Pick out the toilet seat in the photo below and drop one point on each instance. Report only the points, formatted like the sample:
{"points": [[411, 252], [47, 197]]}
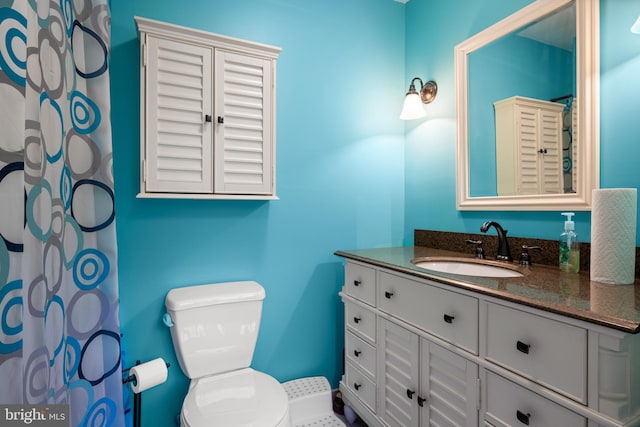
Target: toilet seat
{"points": [[246, 398]]}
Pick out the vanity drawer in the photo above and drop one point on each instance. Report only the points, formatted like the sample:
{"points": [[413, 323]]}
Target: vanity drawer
{"points": [[508, 404], [549, 352], [446, 314], [361, 320], [360, 385], [361, 354], [360, 282]]}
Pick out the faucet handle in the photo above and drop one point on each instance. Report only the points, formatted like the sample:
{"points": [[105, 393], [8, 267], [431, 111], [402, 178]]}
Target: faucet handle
{"points": [[479, 251], [525, 258]]}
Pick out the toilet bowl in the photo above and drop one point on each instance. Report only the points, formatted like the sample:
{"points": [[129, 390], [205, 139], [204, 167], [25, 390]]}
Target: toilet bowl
{"points": [[242, 398]]}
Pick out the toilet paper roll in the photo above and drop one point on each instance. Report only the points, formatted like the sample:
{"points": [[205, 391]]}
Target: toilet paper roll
{"points": [[148, 375], [613, 235]]}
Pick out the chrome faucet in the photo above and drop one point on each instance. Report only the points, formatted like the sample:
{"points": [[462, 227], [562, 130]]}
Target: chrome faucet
{"points": [[504, 253]]}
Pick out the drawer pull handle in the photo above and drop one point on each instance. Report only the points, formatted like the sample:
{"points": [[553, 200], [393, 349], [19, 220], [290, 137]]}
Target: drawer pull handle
{"points": [[522, 417], [410, 393], [388, 295], [421, 401], [357, 319], [356, 282], [522, 347], [357, 387], [357, 353], [448, 318]]}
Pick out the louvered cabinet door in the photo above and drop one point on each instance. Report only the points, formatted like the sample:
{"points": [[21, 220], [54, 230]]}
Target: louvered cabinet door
{"points": [[244, 109], [575, 144], [550, 165], [528, 136], [449, 387], [398, 370], [179, 144]]}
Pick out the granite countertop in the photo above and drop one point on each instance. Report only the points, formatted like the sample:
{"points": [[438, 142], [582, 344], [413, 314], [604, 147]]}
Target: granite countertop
{"points": [[541, 286]]}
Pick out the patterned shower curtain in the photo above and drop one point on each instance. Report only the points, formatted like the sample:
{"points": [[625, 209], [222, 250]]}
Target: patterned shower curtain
{"points": [[60, 334]]}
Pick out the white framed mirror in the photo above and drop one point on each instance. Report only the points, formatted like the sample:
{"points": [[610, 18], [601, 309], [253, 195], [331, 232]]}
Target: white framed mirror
{"points": [[527, 110]]}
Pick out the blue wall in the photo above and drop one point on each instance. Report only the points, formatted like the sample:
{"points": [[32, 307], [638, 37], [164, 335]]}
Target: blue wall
{"points": [[430, 145], [340, 158]]}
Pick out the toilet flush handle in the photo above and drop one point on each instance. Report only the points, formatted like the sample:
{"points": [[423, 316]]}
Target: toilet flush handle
{"points": [[166, 318]]}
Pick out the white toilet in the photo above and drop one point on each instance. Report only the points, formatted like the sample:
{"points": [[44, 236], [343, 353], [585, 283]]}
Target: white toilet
{"points": [[214, 330]]}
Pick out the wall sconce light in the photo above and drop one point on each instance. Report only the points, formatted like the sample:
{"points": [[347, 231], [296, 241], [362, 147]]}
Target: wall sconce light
{"points": [[635, 28], [413, 108]]}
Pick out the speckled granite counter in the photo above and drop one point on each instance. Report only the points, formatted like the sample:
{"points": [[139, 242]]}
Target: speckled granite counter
{"points": [[541, 286]]}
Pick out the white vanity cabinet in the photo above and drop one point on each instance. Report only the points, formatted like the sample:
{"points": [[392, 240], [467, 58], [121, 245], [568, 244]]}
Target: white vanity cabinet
{"points": [[207, 114], [528, 146], [421, 383], [521, 342], [421, 353], [443, 313], [417, 380], [361, 352]]}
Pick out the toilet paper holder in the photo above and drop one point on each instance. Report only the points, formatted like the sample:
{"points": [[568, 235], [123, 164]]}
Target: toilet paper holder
{"points": [[137, 397], [132, 378]]}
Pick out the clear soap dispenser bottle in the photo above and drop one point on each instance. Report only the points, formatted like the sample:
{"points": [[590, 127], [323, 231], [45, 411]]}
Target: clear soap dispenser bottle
{"points": [[569, 246]]}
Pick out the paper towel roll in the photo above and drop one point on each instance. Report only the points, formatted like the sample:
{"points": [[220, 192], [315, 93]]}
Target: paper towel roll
{"points": [[612, 300], [613, 235], [148, 375]]}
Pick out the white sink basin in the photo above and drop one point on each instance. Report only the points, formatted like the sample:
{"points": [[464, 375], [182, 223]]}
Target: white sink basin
{"points": [[466, 267]]}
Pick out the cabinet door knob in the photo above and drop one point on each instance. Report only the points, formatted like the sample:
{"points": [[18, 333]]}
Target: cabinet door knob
{"points": [[522, 417], [207, 118], [410, 393], [356, 282], [448, 318], [357, 353], [357, 319], [522, 347], [220, 119], [357, 386], [542, 151], [421, 401], [388, 295]]}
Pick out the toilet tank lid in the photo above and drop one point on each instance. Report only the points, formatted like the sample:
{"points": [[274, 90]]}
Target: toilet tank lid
{"points": [[213, 294]]}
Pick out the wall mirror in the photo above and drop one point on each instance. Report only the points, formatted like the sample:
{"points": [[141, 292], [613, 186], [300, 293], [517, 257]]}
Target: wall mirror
{"points": [[527, 110]]}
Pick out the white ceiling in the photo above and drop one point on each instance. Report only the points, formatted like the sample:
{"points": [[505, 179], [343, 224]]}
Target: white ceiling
{"points": [[557, 29]]}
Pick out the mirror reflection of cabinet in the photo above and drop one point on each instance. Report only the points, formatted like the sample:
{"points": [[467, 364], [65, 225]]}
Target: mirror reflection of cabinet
{"points": [[528, 146]]}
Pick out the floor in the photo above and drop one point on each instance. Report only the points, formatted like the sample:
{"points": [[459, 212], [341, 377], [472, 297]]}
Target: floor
{"points": [[338, 409], [358, 422]]}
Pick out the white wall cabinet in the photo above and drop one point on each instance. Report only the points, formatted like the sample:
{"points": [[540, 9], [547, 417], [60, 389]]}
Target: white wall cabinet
{"points": [[421, 353], [528, 146], [207, 114]]}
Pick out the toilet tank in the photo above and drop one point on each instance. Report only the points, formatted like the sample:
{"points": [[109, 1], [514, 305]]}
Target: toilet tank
{"points": [[215, 326]]}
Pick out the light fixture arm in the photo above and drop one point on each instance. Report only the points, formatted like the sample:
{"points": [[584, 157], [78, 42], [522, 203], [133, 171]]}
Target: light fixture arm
{"points": [[412, 86], [427, 92]]}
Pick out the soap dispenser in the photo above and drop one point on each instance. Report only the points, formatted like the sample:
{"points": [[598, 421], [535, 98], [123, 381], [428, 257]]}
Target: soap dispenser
{"points": [[569, 246]]}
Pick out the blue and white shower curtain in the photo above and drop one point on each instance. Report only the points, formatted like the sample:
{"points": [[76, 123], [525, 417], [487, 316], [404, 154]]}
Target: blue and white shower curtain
{"points": [[59, 326]]}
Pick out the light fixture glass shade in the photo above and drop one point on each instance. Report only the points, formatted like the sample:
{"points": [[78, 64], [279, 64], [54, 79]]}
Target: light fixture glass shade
{"points": [[635, 28], [413, 107]]}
